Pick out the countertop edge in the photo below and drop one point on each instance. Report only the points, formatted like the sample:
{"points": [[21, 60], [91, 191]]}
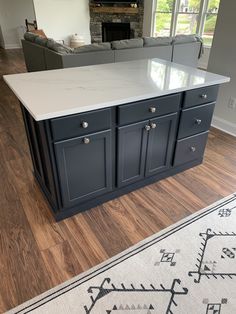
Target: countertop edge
{"points": [[47, 116]]}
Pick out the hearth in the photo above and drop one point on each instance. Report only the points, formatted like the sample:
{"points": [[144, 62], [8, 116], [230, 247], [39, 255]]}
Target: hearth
{"points": [[115, 31]]}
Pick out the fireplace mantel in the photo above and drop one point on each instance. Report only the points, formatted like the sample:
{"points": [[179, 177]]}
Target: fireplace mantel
{"points": [[114, 10]]}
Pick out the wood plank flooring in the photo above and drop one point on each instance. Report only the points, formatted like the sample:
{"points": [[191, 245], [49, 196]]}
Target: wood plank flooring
{"points": [[36, 253]]}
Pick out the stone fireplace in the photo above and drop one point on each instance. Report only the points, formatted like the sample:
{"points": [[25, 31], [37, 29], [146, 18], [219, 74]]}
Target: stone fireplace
{"points": [[114, 23]]}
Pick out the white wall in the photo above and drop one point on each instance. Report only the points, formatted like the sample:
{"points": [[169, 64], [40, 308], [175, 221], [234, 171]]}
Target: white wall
{"points": [[12, 18], [61, 18], [223, 61]]}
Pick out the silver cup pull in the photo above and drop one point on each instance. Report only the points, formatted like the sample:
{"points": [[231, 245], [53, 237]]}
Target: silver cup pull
{"points": [[193, 149], [84, 124], [204, 96], [198, 121], [147, 127], [86, 140], [153, 125], [152, 109]]}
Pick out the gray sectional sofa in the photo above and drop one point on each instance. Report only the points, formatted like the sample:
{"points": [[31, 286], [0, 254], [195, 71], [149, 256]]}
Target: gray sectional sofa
{"points": [[46, 54]]}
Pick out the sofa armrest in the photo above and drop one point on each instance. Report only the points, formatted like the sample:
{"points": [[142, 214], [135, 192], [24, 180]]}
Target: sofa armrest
{"points": [[34, 56], [53, 60], [186, 53]]}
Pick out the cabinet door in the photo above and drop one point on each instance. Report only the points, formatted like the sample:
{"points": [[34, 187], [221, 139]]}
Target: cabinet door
{"points": [[160, 143], [84, 166], [132, 144]]}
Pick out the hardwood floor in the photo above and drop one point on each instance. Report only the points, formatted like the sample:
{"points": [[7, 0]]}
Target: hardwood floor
{"points": [[36, 253]]}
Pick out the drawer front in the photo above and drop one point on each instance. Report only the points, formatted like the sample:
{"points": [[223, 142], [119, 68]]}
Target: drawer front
{"points": [[200, 96], [190, 148], [148, 109], [80, 124], [195, 120]]}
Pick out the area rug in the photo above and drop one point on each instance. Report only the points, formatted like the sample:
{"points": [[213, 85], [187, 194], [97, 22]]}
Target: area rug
{"points": [[188, 268]]}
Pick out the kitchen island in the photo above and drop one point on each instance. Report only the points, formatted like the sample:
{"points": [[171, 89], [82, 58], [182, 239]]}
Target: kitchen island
{"points": [[101, 131]]}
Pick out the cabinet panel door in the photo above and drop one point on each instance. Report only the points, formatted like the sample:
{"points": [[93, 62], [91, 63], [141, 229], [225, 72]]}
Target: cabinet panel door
{"points": [[160, 144], [84, 169], [132, 144]]}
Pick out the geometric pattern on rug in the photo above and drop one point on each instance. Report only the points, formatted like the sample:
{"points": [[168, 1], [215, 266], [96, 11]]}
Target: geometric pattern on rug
{"points": [[188, 268], [214, 308], [144, 292], [224, 245]]}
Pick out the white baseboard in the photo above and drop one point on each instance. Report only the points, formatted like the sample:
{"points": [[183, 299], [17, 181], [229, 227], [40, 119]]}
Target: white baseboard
{"points": [[12, 46], [223, 125]]}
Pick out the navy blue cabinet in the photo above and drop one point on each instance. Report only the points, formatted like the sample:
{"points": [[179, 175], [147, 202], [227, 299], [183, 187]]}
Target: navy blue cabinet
{"points": [[84, 167], [145, 148], [132, 146], [86, 159], [161, 142]]}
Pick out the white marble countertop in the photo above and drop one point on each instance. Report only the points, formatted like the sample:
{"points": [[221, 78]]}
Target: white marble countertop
{"points": [[50, 94]]}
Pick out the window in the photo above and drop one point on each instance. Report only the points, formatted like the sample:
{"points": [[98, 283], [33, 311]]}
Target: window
{"points": [[173, 17], [163, 17], [210, 17], [187, 17]]}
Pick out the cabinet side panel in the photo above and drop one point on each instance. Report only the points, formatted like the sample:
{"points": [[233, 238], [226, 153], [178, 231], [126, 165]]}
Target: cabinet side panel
{"points": [[33, 144], [49, 178], [40, 154]]}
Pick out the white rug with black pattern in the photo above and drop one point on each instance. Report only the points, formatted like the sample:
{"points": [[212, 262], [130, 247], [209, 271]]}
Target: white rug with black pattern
{"points": [[188, 268]]}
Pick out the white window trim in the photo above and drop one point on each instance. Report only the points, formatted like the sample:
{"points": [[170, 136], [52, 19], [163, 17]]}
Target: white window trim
{"points": [[176, 3]]}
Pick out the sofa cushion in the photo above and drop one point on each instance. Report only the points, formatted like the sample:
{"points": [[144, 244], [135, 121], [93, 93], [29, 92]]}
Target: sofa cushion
{"points": [[41, 41], [127, 43], [93, 47], [180, 39], [30, 36], [157, 41], [60, 48]]}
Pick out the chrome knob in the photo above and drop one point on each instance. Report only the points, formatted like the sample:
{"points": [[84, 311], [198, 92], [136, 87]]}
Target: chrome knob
{"points": [[153, 125], [86, 140], [193, 149], [152, 109], [147, 127], [84, 124], [198, 121], [204, 96]]}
